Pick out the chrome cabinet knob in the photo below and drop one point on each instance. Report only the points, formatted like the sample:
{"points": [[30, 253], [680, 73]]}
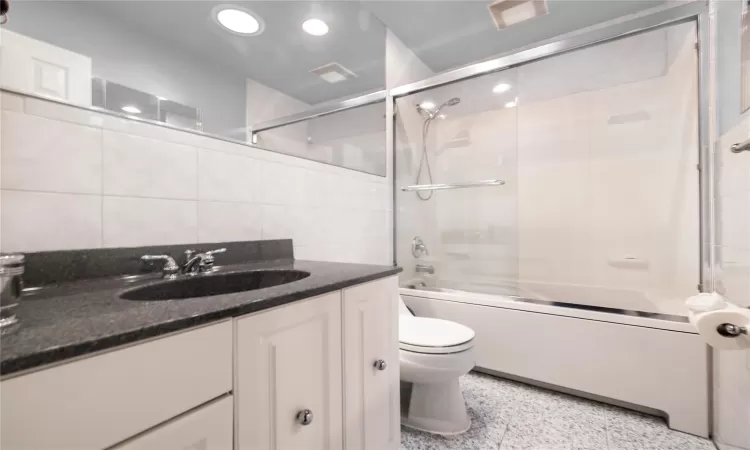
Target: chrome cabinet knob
{"points": [[380, 364], [305, 417]]}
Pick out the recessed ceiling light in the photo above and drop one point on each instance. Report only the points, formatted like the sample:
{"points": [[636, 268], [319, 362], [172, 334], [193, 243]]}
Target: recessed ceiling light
{"points": [[512, 104], [316, 27], [131, 109], [500, 88], [427, 105], [238, 20]]}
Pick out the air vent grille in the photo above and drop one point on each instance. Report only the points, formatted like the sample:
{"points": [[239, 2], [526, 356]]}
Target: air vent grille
{"points": [[334, 73]]}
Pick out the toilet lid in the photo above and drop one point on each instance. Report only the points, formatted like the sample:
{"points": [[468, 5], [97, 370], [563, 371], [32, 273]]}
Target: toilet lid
{"points": [[428, 335]]}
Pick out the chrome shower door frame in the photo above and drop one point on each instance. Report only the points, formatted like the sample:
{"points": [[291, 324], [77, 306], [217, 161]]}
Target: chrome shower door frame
{"points": [[696, 12]]}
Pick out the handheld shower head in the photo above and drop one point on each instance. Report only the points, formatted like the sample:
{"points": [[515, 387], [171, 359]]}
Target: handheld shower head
{"points": [[424, 161], [451, 102], [429, 110]]}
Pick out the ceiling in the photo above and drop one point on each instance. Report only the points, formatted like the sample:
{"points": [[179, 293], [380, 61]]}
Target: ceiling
{"points": [[282, 56], [446, 34]]}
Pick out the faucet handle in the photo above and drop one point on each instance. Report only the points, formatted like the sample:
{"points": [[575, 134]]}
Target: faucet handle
{"points": [[418, 248], [208, 261]]}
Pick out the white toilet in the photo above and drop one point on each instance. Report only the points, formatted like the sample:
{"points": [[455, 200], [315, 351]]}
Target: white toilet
{"points": [[434, 353]]}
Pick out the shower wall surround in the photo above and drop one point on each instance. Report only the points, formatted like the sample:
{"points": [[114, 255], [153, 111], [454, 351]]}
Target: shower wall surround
{"points": [[73, 178], [600, 169]]}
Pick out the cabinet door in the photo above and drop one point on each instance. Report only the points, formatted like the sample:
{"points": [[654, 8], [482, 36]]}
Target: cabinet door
{"points": [[289, 360], [371, 393], [206, 428]]}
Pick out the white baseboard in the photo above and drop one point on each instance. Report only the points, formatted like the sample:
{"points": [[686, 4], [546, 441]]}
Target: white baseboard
{"points": [[722, 446]]}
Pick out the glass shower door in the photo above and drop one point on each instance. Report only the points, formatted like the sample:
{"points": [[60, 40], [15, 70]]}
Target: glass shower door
{"points": [[462, 134], [598, 149]]}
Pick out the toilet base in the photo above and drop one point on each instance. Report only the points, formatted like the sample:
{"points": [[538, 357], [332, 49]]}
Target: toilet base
{"points": [[437, 408]]}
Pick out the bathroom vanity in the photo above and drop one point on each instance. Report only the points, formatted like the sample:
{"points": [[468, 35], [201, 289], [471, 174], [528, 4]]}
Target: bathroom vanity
{"points": [[308, 364]]}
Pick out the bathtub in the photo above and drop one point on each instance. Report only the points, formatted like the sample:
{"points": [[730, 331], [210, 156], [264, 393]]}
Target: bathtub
{"points": [[637, 358]]}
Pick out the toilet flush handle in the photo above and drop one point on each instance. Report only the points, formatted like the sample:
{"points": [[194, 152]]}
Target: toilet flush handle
{"points": [[380, 364]]}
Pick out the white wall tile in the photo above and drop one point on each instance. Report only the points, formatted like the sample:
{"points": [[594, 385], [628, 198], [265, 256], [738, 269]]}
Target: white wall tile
{"points": [[734, 220], [47, 155], [377, 197], [143, 167], [332, 213], [130, 222], [81, 116], [307, 253], [11, 102], [64, 113], [733, 169], [283, 185], [734, 274], [223, 222], [315, 187], [40, 221], [227, 177], [290, 222]]}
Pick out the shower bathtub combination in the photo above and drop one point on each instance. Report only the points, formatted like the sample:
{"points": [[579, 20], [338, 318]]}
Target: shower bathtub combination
{"points": [[564, 221]]}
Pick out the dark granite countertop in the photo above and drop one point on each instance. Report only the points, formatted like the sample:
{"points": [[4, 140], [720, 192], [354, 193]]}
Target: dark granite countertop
{"points": [[68, 320]]}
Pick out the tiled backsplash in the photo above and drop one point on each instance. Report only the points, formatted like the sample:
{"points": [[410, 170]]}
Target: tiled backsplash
{"points": [[73, 178], [54, 267]]}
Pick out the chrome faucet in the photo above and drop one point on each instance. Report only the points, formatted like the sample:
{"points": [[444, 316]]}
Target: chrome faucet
{"points": [[200, 262], [194, 263], [425, 268]]}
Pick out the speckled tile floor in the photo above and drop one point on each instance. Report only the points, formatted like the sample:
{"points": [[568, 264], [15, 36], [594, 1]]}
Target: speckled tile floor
{"points": [[506, 415]]}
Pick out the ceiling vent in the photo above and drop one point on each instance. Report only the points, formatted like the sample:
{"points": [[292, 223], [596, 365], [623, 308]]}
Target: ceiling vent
{"points": [[510, 12], [334, 73]]}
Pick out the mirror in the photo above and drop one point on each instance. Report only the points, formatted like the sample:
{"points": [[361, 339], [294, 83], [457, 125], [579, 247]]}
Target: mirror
{"points": [[353, 138], [215, 67]]}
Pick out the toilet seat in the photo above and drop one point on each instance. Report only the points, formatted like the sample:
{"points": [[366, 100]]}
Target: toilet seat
{"points": [[433, 336]]}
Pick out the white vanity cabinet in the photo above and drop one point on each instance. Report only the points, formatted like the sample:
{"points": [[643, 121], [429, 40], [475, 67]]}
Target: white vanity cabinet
{"points": [[316, 374], [293, 359], [289, 377], [208, 427], [371, 369], [99, 401]]}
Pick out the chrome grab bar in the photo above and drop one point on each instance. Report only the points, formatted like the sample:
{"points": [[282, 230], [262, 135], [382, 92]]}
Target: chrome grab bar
{"points": [[438, 187], [741, 147]]}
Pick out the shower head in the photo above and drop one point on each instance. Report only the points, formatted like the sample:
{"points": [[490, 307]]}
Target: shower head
{"points": [[432, 114], [451, 102]]}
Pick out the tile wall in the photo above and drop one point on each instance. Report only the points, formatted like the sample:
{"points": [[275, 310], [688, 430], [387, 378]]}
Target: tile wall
{"points": [[73, 178]]}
